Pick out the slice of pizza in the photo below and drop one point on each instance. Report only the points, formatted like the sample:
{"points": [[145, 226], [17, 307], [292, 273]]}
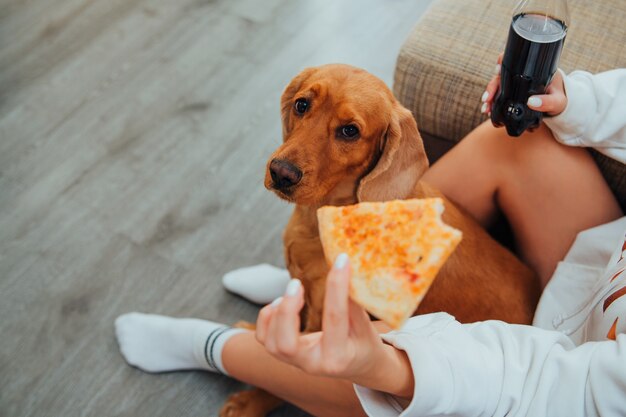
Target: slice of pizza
{"points": [[396, 249]]}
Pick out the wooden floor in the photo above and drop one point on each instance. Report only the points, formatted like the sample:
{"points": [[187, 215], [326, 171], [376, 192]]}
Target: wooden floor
{"points": [[133, 139]]}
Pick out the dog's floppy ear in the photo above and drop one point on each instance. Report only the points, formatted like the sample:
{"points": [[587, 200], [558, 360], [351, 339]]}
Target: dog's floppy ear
{"points": [[402, 163], [286, 100]]}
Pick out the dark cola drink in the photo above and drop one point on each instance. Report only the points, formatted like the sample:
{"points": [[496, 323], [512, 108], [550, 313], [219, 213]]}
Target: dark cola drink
{"points": [[530, 60]]}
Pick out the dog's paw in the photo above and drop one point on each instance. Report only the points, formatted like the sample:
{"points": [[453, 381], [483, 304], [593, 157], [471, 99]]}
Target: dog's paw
{"points": [[251, 403], [242, 324], [240, 404]]}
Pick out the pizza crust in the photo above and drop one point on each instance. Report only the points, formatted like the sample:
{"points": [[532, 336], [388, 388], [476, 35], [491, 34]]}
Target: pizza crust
{"points": [[396, 249]]}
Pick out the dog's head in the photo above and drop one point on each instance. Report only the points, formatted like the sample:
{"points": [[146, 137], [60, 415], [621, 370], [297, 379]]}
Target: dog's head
{"points": [[345, 139]]}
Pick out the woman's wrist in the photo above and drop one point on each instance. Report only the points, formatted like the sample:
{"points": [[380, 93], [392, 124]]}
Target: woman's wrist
{"points": [[391, 373]]}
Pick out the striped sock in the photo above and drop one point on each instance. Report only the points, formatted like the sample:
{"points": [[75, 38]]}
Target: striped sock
{"points": [[213, 346], [156, 343]]}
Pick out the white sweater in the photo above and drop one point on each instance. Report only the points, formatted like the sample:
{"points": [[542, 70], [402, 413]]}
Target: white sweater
{"points": [[572, 362], [595, 115]]}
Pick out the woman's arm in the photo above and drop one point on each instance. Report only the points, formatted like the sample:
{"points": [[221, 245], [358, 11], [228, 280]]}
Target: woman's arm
{"points": [[595, 114], [497, 369]]}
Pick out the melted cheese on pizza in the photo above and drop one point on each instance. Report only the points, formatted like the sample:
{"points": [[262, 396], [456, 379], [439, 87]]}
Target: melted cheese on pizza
{"points": [[396, 249]]}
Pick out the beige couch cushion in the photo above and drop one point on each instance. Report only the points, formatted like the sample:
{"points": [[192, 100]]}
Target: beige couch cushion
{"points": [[450, 55]]}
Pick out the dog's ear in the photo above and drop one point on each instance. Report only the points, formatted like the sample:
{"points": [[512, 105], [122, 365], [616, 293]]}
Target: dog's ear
{"points": [[402, 163], [286, 100]]}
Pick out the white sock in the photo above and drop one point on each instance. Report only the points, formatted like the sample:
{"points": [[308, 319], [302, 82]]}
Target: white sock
{"points": [[156, 343], [260, 284]]}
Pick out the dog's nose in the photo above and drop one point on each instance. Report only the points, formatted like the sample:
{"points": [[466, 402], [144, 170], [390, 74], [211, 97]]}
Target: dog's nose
{"points": [[284, 174]]}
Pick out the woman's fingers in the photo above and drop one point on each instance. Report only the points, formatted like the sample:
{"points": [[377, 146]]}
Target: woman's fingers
{"points": [[335, 320], [492, 88], [288, 319], [489, 94], [554, 101], [284, 327], [360, 321], [263, 322], [552, 104]]}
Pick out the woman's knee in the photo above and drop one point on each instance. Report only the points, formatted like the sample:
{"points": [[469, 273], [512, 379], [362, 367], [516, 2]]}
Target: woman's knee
{"points": [[530, 152], [539, 151]]}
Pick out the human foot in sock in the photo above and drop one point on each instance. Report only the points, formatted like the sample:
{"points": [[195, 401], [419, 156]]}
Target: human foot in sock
{"points": [[260, 284], [156, 343]]}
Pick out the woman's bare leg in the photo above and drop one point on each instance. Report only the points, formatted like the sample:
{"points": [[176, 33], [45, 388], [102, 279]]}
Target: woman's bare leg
{"points": [[547, 191], [246, 360]]}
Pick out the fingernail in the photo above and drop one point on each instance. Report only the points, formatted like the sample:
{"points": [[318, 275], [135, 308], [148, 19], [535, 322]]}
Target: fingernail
{"points": [[483, 108], [534, 102], [276, 302], [341, 261], [485, 96], [498, 68], [292, 287]]}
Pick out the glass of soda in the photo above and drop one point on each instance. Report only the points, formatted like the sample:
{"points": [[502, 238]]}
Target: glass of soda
{"points": [[531, 58]]}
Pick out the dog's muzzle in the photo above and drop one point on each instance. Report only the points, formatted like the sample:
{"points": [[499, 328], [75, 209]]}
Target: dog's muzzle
{"points": [[284, 174]]}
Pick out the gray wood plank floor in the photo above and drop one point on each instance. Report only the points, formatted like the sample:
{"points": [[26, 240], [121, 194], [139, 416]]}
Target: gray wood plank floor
{"points": [[133, 138]]}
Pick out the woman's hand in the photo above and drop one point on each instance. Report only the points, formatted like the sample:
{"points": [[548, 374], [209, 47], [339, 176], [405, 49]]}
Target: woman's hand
{"points": [[552, 103], [348, 346]]}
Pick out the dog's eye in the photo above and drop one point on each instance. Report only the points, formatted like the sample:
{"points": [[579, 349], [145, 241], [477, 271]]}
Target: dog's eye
{"points": [[348, 132], [301, 105]]}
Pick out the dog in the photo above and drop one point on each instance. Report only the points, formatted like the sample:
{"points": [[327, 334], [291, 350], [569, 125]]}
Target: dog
{"points": [[346, 139]]}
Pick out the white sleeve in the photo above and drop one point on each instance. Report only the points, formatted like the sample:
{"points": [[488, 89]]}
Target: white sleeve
{"points": [[595, 115], [496, 369]]}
